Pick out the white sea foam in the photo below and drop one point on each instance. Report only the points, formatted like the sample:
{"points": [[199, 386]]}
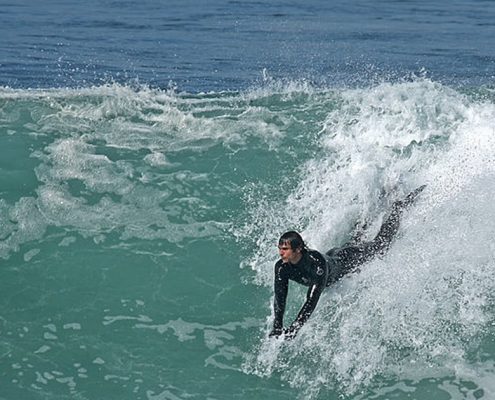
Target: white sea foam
{"points": [[107, 162], [426, 304], [154, 119]]}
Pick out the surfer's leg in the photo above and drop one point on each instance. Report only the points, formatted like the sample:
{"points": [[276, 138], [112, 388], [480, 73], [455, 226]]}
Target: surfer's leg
{"points": [[389, 228], [347, 259], [351, 257]]}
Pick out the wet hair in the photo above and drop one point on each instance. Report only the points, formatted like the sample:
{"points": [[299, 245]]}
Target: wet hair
{"points": [[294, 239]]}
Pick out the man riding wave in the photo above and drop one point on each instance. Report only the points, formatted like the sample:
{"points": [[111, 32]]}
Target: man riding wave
{"points": [[317, 271]]}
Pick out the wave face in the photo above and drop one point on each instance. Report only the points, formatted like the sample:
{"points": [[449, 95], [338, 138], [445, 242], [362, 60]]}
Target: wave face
{"points": [[125, 213]]}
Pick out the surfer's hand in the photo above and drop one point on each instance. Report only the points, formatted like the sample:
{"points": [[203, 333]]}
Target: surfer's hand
{"points": [[291, 332], [276, 332]]}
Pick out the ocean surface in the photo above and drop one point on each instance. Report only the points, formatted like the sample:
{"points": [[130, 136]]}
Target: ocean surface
{"points": [[152, 152]]}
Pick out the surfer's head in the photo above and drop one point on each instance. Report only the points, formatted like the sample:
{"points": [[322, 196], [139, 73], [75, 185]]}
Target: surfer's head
{"points": [[293, 240], [291, 247]]}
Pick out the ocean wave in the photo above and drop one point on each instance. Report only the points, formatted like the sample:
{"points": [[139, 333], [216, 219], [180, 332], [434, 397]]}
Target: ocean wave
{"points": [[427, 305]]}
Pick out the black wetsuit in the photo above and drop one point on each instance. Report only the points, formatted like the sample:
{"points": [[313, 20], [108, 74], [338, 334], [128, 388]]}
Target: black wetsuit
{"points": [[318, 271], [311, 270]]}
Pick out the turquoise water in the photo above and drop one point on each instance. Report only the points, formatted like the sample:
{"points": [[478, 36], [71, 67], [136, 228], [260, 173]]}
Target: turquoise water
{"points": [[138, 232], [151, 154]]}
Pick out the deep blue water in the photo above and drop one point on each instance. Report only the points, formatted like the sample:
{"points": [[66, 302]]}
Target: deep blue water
{"points": [[226, 45]]}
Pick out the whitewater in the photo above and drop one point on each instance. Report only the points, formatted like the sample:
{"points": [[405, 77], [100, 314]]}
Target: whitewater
{"points": [[138, 232]]}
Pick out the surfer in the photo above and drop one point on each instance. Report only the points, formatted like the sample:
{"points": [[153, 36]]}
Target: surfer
{"points": [[317, 271]]}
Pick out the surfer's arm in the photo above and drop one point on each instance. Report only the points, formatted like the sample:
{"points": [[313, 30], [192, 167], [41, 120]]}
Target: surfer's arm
{"points": [[312, 297], [281, 287]]}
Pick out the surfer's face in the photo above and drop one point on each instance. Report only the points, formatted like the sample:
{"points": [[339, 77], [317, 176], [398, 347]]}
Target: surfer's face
{"points": [[288, 254]]}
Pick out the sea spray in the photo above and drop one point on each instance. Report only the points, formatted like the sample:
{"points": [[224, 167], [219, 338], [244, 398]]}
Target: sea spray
{"points": [[422, 309]]}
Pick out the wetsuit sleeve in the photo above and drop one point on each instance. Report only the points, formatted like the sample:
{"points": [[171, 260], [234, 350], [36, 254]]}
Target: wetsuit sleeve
{"points": [[312, 297], [281, 287]]}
